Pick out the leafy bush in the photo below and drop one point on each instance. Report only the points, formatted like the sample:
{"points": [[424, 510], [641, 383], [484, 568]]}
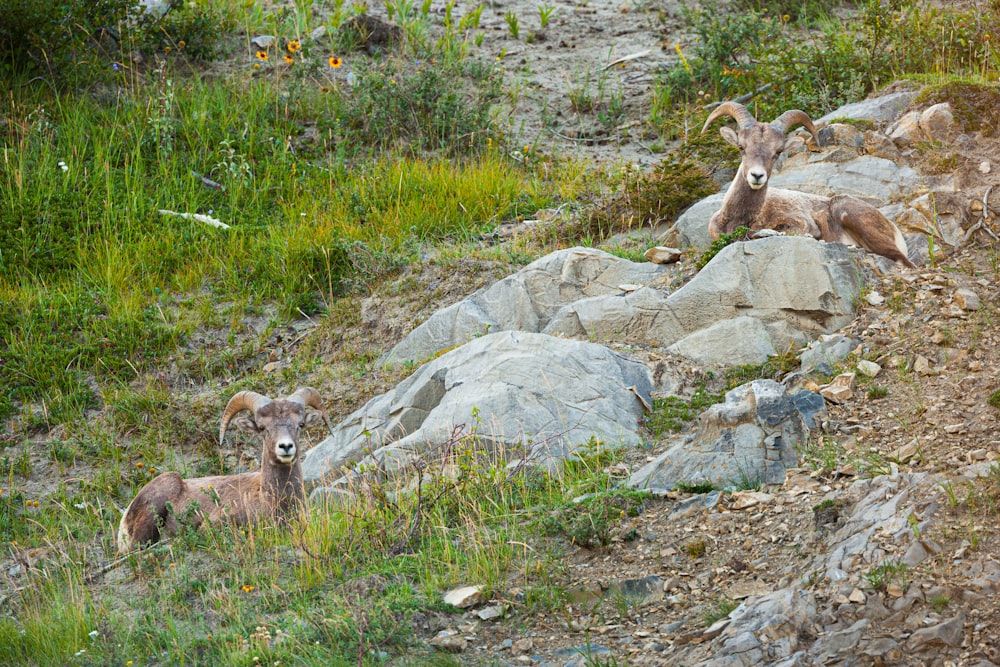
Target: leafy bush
{"points": [[74, 41], [738, 234], [444, 107], [649, 198], [589, 522]]}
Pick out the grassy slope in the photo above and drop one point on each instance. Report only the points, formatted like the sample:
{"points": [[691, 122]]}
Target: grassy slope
{"points": [[99, 294]]}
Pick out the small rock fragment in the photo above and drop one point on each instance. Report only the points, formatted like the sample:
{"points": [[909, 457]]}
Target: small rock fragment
{"points": [[490, 613], [522, 646], [905, 453], [875, 299], [449, 641], [744, 499], [663, 255], [922, 366], [868, 368], [967, 299], [465, 597]]}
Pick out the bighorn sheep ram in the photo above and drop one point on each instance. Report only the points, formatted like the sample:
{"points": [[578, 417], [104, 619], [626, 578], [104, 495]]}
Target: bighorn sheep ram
{"points": [[749, 203], [275, 491]]}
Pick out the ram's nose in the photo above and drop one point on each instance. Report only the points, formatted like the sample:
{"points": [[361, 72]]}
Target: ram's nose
{"points": [[285, 451], [756, 178]]}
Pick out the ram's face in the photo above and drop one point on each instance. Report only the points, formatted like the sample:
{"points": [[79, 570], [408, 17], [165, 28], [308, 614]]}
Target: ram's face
{"points": [[760, 145], [280, 423]]}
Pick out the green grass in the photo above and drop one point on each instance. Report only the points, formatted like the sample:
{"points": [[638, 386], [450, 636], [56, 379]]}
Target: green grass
{"points": [[671, 413], [94, 281], [354, 573]]}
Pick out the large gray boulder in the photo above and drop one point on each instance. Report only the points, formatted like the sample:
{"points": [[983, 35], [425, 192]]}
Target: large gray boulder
{"points": [[532, 395], [691, 228], [796, 286], [872, 179], [750, 438], [527, 300], [879, 109]]}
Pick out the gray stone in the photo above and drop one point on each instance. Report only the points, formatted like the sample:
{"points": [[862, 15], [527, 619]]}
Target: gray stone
{"points": [[906, 130], [938, 123], [524, 393], [872, 179], [840, 643], [967, 299], [779, 615], [449, 641], [842, 134], [831, 349], [465, 597], [527, 300], [490, 613], [878, 109], [663, 255], [736, 342], [798, 287], [751, 437], [639, 592], [941, 214], [879, 145], [947, 633], [691, 228]]}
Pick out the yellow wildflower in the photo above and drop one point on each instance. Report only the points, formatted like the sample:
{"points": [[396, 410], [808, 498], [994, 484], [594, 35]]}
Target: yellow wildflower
{"points": [[247, 588], [288, 59], [262, 55], [335, 62], [293, 46]]}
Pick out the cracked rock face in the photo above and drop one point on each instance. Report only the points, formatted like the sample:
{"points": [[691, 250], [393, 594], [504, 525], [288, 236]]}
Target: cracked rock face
{"points": [[769, 294], [527, 300], [532, 395], [751, 437]]}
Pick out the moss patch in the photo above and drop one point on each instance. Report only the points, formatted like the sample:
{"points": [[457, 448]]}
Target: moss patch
{"points": [[976, 106]]}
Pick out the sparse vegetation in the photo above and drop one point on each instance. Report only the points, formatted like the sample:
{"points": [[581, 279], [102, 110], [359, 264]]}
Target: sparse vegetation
{"points": [[337, 170], [671, 413], [718, 610], [738, 234], [994, 399], [887, 572]]}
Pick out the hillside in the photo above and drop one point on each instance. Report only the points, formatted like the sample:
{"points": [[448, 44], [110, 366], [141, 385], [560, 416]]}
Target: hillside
{"points": [[373, 180]]}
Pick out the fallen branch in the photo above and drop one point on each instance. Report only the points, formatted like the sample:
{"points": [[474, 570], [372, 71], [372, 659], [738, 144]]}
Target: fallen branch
{"points": [[198, 217], [624, 59]]}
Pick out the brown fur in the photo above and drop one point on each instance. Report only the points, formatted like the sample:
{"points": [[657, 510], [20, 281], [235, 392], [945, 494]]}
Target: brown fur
{"points": [[837, 219], [275, 492]]}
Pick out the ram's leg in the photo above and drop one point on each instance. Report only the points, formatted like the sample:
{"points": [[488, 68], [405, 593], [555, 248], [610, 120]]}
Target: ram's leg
{"points": [[872, 230]]}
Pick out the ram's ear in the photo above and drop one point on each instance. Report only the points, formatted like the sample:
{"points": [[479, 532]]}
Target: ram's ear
{"points": [[246, 424], [312, 418], [729, 134]]}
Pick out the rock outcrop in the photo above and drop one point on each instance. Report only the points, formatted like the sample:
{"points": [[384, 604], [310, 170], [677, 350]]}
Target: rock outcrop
{"points": [[530, 395]]}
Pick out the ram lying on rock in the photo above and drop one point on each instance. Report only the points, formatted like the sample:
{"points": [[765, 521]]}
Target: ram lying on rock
{"points": [[274, 492], [749, 203]]}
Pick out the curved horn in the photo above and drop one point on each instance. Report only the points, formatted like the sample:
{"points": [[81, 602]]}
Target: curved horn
{"points": [[309, 396], [244, 400], [794, 118], [743, 117]]}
